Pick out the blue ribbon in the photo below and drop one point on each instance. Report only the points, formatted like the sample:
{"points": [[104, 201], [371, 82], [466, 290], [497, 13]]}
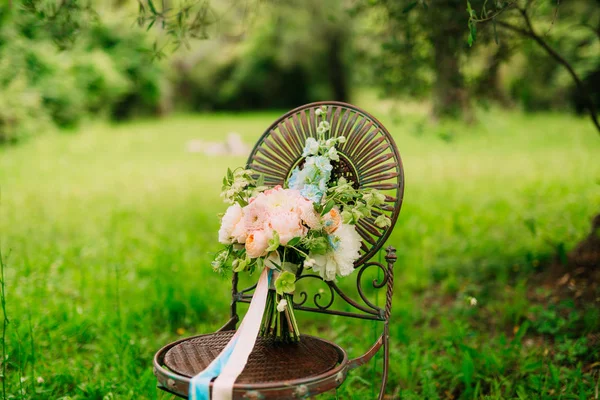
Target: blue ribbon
{"points": [[200, 384]]}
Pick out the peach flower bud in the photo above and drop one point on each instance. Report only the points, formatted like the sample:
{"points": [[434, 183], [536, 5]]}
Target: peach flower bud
{"points": [[332, 220]]}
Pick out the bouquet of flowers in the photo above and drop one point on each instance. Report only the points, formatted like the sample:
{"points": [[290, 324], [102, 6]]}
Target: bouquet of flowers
{"points": [[309, 223]]}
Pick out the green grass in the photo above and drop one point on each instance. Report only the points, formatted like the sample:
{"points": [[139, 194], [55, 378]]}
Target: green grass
{"points": [[107, 236]]}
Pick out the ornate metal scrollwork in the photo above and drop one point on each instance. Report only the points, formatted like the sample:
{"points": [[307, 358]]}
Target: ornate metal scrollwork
{"points": [[367, 308], [376, 284]]}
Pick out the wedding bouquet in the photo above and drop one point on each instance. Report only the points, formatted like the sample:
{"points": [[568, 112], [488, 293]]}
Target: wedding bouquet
{"points": [[309, 223]]}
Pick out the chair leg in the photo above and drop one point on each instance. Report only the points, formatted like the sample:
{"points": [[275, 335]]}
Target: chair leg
{"points": [[386, 361]]}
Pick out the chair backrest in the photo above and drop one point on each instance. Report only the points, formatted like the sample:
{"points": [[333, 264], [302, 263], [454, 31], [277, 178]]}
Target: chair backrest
{"points": [[369, 158]]}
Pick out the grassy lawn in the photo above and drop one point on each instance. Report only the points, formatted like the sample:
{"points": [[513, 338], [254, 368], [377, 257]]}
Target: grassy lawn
{"points": [[108, 235]]}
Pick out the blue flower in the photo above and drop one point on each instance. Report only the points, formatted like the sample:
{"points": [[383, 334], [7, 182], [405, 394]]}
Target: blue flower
{"points": [[312, 193], [323, 184], [323, 164], [310, 172], [295, 181]]}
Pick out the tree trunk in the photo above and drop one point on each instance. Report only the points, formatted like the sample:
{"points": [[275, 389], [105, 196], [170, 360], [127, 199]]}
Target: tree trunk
{"points": [[587, 253], [450, 96], [488, 84], [336, 67]]}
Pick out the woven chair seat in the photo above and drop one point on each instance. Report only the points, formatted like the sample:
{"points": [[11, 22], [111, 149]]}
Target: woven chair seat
{"points": [[273, 368]]}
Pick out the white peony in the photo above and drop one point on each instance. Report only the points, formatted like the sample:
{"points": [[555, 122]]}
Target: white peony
{"points": [[340, 260], [230, 220], [240, 233]]}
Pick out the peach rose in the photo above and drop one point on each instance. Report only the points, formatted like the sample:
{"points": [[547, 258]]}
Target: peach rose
{"points": [[257, 243], [332, 220], [308, 214]]}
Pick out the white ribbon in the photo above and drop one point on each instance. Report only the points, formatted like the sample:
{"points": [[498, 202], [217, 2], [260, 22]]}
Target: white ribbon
{"points": [[230, 363]]}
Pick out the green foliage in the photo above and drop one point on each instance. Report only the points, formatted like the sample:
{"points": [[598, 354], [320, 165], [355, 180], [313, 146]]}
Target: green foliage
{"points": [[106, 71], [396, 46], [110, 235], [21, 110], [290, 55], [188, 20]]}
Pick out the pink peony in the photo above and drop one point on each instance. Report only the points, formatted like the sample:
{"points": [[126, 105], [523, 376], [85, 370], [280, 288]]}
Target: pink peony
{"points": [[269, 191], [288, 225], [256, 215], [280, 200]]}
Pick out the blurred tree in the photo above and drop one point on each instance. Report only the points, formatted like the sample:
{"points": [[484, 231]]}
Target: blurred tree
{"points": [[61, 62], [578, 43], [419, 35], [488, 84], [426, 49], [286, 55]]}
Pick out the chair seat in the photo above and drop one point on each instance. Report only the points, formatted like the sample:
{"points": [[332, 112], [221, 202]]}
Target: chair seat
{"points": [[274, 370]]}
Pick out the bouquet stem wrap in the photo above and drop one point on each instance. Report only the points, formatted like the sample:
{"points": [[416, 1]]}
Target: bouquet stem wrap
{"points": [[278, 324]]}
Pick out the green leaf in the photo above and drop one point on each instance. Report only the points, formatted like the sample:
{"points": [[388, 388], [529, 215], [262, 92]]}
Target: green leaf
{"points": [[294, 241], [356, 214], [521, 332], [285, 283], [150, 24], [152, 8], [229, 175], [330, 204], [239, 265], [274, 242], [318, 245], [382, 221], [347, 217], [317, 207], [472, 32]]}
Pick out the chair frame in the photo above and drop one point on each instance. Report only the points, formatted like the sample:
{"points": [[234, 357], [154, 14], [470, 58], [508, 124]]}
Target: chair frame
{"points": [[373, 140]]}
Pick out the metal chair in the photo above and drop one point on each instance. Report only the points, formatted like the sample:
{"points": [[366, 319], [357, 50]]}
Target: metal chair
{"points": [[370, 159]]}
